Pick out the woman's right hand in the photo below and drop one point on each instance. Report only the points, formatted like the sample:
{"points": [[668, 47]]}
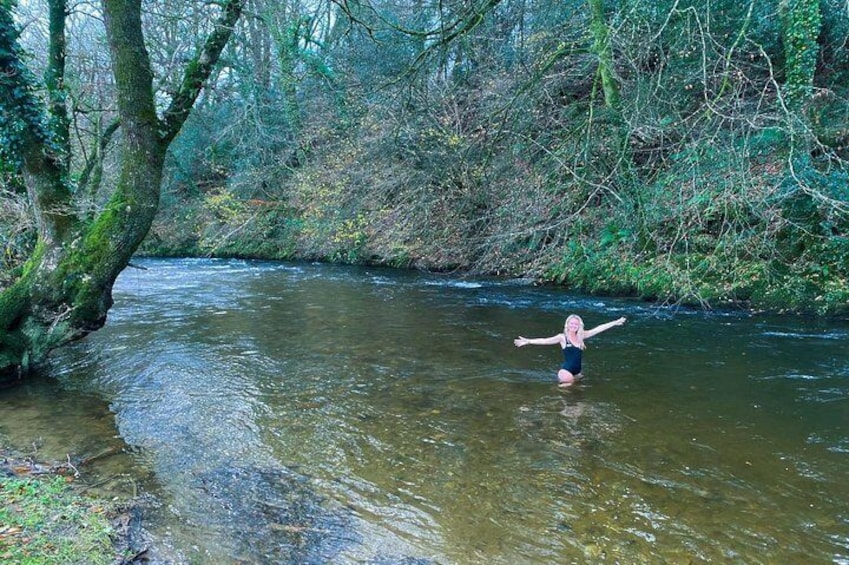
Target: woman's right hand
{"points": [[520, 341]]}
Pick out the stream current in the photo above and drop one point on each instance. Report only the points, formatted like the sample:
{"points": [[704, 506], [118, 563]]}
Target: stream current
{"points": [[306, 413]]}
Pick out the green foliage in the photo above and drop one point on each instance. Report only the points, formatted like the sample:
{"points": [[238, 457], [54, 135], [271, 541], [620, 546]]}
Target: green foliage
{"points": [[17, 234], [801, 21], [21, 114], [501, 156], [817, 282], [224, 206], [834, 57], [828, 115], [764, 142]]}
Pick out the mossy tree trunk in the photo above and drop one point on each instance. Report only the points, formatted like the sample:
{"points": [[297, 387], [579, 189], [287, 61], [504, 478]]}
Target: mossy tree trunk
{"points": [[606, 77], [801, 24], [288, 45], [629, 186], [604, 52], [65, 288]]}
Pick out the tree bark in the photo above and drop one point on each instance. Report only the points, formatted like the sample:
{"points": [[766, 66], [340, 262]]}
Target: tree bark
{"points": [[604, 52], [65, 288], [801, 23], [55, 79]]}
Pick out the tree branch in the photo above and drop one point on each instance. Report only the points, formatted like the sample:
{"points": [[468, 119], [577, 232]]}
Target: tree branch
{"points": [[97, 154], [198, 71]]}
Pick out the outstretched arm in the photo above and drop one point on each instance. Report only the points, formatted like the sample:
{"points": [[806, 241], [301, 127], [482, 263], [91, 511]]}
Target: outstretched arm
{"points": [[553, 340], [603, 327]]}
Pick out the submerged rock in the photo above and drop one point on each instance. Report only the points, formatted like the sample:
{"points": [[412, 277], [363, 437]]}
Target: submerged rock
{"points": [[271, 515]]}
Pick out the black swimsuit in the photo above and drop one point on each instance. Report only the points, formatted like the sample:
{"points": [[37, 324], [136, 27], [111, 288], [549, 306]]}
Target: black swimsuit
{"points": [[572, 359]]}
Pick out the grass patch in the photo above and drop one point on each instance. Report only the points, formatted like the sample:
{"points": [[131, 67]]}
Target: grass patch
{"points": [[43, 520]]}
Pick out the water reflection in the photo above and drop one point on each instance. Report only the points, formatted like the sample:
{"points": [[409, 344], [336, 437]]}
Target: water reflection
{"points": [[311, 414]]}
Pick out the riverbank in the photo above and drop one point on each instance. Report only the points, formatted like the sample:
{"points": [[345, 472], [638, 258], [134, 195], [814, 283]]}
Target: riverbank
{"points": [[813, 285], [48, 516]]}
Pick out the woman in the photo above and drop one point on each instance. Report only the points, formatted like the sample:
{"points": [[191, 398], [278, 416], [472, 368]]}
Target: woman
{"points": [[571, 341]]}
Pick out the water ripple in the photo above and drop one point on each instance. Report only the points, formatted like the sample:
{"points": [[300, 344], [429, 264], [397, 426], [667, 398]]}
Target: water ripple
{"points": [[318, 414]]}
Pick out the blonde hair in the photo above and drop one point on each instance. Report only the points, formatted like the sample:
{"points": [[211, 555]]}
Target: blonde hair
{"points": [[579, 335]]}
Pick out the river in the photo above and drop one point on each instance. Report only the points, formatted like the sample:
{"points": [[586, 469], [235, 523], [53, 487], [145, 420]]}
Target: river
{"points": [[306, 413]]}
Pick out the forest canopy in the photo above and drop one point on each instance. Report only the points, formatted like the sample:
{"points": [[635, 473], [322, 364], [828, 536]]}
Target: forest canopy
{"points": [[679, 151]]}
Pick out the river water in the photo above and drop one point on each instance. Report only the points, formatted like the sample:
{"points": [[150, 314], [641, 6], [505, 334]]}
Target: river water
{"points": [[301, 413]]}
